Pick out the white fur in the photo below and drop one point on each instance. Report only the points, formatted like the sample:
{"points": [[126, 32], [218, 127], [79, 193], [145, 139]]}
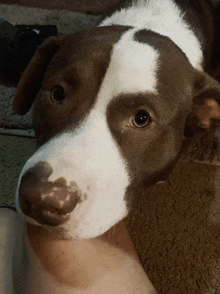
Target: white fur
{"points": [[89, 156], [132, 69], [165, 18]]}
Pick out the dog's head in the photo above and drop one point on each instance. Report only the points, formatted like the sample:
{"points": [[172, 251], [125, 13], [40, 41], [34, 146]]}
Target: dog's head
{"points": [[111, 105]]}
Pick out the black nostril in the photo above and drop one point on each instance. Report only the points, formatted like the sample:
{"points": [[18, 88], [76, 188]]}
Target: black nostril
{"points": [[46, 201]]}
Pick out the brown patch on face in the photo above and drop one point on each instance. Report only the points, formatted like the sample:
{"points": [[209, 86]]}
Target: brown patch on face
{"points": [[85, 196], [147, 150], [78, 68], [45, 201], [152, 151]]}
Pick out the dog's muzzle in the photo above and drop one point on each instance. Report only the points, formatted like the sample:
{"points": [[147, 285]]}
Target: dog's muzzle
{"points": [[75, 184], [47, 202]]}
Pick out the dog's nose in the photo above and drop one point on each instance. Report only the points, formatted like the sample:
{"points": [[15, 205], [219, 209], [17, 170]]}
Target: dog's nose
{"points": [[47, 202]]}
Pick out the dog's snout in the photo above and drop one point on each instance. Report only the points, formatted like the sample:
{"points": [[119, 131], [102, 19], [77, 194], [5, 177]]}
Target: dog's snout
{"points": [[48, 202]]}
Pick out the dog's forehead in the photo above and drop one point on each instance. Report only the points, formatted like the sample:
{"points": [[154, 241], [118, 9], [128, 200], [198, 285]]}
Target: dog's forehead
{"points": [[132, 69], [91, 43], [146, 63], [133, 50], [133, 64], [122, 60]]}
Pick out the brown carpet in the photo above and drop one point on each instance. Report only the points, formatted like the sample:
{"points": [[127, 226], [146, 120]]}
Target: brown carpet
{"points": [[175, 226], [176, 232]]}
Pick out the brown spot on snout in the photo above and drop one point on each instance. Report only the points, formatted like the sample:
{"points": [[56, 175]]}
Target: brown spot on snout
{"points": [[83, 198], [45, 201]]}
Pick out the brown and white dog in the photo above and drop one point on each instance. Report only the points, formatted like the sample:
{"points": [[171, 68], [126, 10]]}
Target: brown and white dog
{"points": [[111, 106]]}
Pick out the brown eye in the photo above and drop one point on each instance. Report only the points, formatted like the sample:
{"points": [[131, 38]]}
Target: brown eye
{"points": [[57, 94], [141, 119]]}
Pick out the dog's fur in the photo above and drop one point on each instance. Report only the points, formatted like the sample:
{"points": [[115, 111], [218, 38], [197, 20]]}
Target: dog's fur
{"points": [[112, 105]]}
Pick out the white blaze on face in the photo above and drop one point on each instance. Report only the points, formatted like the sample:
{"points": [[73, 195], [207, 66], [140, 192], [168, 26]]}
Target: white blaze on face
{"points": [[132, 69], [163, 17], [89, 155]]}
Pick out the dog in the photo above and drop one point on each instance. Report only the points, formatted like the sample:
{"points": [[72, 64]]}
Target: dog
{"points": [[112, 108]]}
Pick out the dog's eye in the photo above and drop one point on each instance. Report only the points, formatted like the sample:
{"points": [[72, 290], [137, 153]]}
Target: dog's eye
{"points": [[57, 94], [141, 119]]}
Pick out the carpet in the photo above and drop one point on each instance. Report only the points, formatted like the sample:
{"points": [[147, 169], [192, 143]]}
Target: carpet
{"points": [[175, 226]]}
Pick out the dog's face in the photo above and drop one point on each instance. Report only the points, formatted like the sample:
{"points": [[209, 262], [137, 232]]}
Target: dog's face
{"points": [[109, 116]]}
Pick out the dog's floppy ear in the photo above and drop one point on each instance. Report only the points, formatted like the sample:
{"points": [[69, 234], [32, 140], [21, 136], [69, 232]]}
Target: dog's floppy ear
{"points": [[201, 131], [31, 79]]}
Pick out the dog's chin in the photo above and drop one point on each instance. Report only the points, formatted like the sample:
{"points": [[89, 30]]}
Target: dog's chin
{"points": [[65, 234], [69, 232]]}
